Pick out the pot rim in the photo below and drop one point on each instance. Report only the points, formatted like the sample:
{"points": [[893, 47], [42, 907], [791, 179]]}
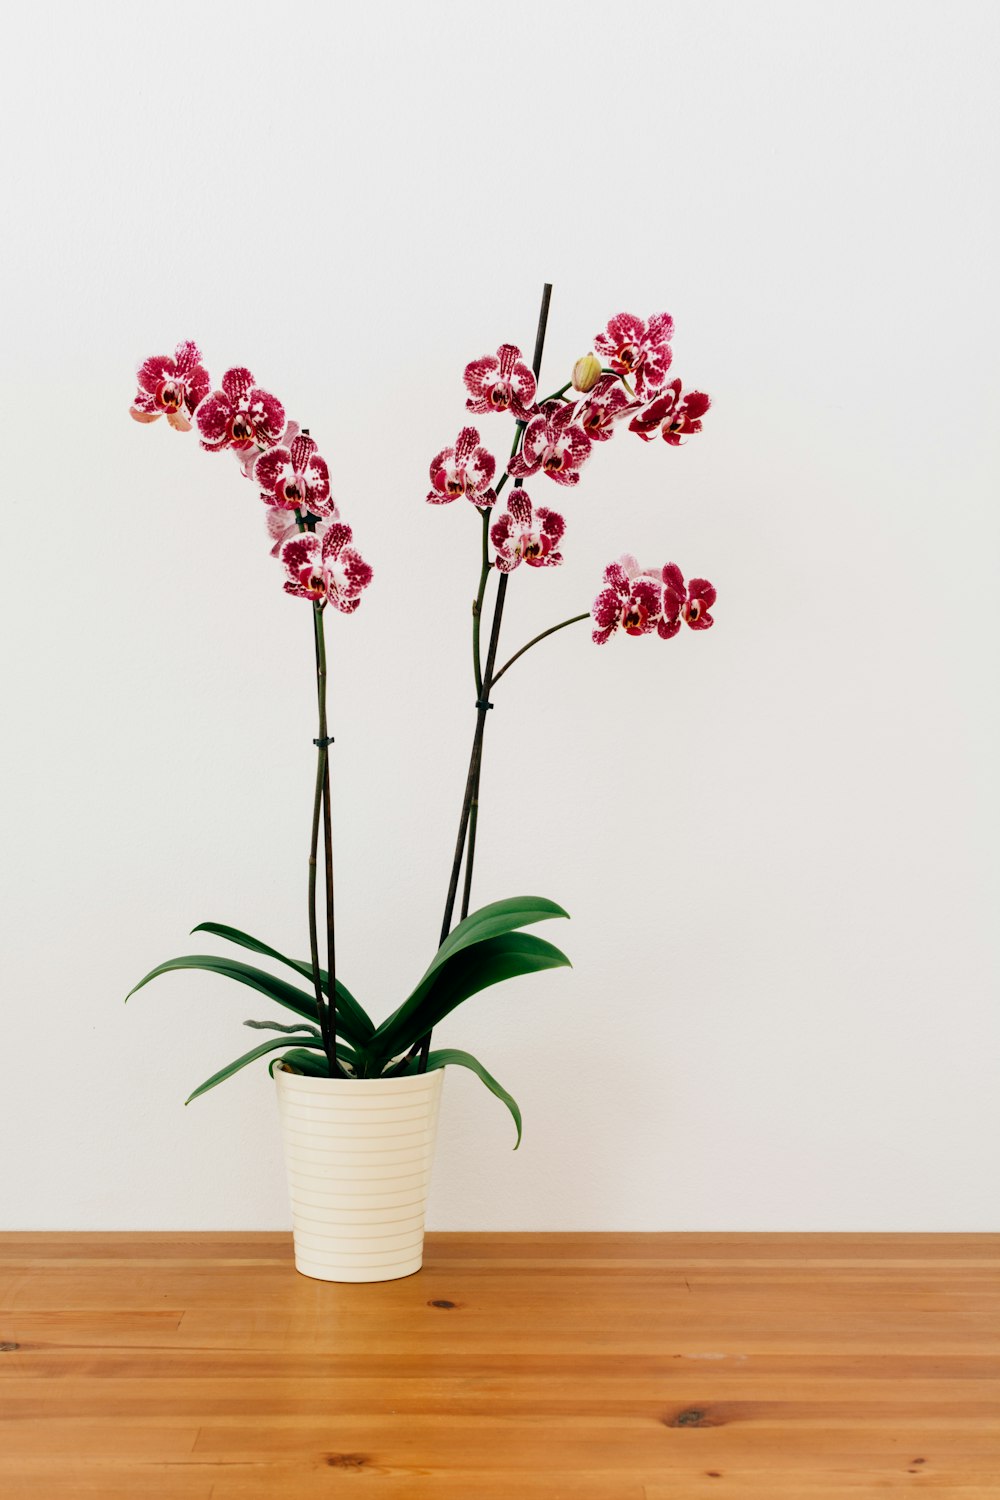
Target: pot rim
{"points": [[416, 1083]]}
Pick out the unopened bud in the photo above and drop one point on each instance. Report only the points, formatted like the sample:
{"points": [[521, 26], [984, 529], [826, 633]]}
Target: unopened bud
{"points": [[586, 373]]}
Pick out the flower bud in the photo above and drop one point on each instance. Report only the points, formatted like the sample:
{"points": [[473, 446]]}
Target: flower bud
{"points": [[586, 373]]}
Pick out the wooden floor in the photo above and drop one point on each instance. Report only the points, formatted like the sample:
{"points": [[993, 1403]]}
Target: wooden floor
{"points": [[513, 1367]]}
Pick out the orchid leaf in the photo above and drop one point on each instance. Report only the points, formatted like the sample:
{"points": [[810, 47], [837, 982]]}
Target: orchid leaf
{"points": [[451, 1057], [498, 919], [270, 1045], [313, 1064], [462, 975], [230, 968], [494, 920], [275, 988], [363, 1025]]}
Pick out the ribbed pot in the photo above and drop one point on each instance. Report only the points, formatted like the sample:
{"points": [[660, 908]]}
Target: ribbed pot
{"points": [[359, 1153]]}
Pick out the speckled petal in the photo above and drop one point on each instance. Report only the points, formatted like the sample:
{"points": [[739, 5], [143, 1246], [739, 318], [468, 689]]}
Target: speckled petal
{"points": [[335, 539], [237, 384]]}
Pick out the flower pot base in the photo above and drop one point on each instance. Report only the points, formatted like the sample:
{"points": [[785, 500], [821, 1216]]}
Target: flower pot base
{"points": [[358, 1154]]}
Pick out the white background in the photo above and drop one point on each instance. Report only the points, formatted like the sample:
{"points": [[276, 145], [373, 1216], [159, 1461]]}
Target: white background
{"points": [[777, 838]]}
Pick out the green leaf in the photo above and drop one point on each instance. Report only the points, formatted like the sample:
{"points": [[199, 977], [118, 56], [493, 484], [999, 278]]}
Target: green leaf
{"points": [[230, 968], [462, 975], [494, 920], [314, 1064], [358, 1018], [270, 1045], [449, 1056], [259, 979]]}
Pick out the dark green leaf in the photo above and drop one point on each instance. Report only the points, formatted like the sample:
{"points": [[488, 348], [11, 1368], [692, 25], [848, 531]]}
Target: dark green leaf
{"points": [[230, 968], [463, 974], [241, 1062], [494, 920], [449, 1056], [356, 1017], [314, 1064]]}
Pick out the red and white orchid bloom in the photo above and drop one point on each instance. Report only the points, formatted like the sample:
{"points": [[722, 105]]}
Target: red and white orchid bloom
{"points": [[282, 525], [674, 414], [554, 442], [638, 349], [501, 382], [641, 600], [700, 598], [295, 477], [672, 603], [171, 388], [321, 565], [466, 469], [606, 404], [240, 415], [527, 533], [632, 599]]}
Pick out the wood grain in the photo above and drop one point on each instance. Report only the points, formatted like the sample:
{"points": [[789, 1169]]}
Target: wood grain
{"points": [[513, 1367]]}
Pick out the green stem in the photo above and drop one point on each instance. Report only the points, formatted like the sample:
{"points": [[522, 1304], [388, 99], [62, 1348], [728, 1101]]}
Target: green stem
{"points": [[556, 395], [573, 620], [321, 804], [475, 760], [470, 852], [477, 607]]}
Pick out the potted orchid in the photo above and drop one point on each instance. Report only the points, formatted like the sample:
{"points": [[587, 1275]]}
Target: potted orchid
{"points": [[358, 1099]]}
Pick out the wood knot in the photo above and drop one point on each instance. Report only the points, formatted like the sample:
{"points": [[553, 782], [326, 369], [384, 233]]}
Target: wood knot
{"points": [[691, 1416], [8, 1346], [442, 1302], [345, 1460]]}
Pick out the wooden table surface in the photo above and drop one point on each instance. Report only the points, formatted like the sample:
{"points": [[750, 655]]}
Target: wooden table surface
{"points": [[513, 1367]]}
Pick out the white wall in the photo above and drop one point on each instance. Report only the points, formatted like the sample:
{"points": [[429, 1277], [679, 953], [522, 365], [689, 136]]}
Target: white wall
{"points": [[776, 839]]}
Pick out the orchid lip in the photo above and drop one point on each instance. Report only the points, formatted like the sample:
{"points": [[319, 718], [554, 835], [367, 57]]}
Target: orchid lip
{"points": [[170, 396]]}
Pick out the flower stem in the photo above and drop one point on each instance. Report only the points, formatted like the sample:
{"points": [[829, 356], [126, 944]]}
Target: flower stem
{"points": [[556, 395], [475, 759], [470, 848], [321, 804], [482, 704], [573, 620], [477, 607]]}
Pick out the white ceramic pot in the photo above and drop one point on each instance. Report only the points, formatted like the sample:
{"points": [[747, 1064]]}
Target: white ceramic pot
{"points": [[359, 1153]]}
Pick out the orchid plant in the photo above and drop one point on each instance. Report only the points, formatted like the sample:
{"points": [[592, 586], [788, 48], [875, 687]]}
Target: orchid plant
{"points": [[621, 383]]}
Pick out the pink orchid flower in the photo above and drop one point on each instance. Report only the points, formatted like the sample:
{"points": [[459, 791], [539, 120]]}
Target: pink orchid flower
{"points": [[637, 348], [282, 525], [171, 387], [631, 599], [501, 382], [643, 600], [553, 442], [323, 567], [240, 415], [525, 533], [700, 598], [672, 603], [466, 469], [673, 414], [294, 477], [606, 404]]}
